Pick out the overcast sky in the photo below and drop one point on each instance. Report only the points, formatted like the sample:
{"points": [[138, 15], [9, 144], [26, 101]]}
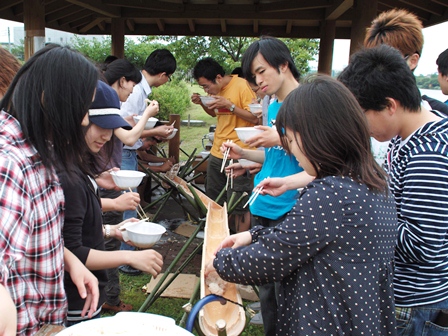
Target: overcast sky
{"points": [[435, 43]]}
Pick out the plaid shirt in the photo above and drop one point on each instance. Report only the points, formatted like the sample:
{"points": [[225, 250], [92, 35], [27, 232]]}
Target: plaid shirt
{"points": [[31, 219]]}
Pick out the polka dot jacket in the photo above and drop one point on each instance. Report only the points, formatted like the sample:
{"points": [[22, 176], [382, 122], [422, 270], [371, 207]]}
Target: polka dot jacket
{"points": [[333, 256]]}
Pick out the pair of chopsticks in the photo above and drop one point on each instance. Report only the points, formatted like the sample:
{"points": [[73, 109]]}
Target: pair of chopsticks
{"points": [[230, 176], [226, 154], [141, 213], [253, 197]]}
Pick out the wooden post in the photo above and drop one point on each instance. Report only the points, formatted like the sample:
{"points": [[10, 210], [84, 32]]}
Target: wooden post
{"points": [[174, 144], [34, 22], [364, 13], [117, 32], [327, 35]]}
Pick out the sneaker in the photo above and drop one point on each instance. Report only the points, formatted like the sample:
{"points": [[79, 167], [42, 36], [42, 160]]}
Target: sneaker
{"points": [[255, 306], [120, 307], [129, 270], [257, 319]]}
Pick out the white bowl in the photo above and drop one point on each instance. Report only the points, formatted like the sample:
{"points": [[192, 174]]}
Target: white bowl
{"points": [[155, 164], [126, 179], [144, 234], [204, 154], [245, 163], [255, 109], [207, 100], [149, 124], [245, 133], [172, 134]]}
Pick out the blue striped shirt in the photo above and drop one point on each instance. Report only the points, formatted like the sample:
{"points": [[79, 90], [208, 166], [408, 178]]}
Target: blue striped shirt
{"points": [[418, 171]]}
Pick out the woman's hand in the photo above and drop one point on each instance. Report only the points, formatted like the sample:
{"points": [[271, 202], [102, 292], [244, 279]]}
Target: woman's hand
{"points": [[269, 138], [235, 152], [116, 231], [105, 180], [273, 186], [152, 109], [149, 261], [127, 201]]}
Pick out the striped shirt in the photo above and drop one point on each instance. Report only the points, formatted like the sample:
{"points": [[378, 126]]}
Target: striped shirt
{"points": [[418, 170], [31, 219]]}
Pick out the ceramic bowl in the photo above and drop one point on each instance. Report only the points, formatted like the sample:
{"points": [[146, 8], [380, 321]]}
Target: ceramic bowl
{"points": [[255, 109], [207, 100], [144, 234], [172, 134], [149, 124], [204, 154], [245, 133], [126, 179]]}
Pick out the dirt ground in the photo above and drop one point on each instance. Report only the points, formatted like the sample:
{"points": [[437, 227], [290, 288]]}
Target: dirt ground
{"points": [[171, 216]]}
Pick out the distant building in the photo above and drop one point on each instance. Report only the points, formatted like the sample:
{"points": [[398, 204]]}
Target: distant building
{"points": [[53, 36]]}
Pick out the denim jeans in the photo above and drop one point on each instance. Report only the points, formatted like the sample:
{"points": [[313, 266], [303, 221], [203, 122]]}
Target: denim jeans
{"points": [[129, 162], [419, 320]]}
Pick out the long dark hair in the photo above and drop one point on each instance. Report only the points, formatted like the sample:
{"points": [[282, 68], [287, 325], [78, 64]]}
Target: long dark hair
{"points": [[333, 129], [50, 96]]}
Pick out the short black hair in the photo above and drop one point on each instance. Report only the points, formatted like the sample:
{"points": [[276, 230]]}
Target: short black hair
{"points": [[209, 69], [274, 51], [442, 63], [160, 60], [375, 74]]}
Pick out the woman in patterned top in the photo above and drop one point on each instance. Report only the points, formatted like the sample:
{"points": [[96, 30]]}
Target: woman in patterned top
{"points": [[333, 253]]}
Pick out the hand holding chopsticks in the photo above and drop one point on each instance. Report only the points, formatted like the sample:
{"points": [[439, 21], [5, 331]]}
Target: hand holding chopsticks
{"points": [[141, 213], [226, 154], [252, 197]]}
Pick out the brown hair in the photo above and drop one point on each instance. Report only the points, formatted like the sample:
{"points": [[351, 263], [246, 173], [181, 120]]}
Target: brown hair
{"points": [[333, 129], [9, 65], [397, 28]]}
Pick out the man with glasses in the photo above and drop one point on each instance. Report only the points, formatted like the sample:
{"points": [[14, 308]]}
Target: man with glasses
{"points": [[158, 68], [231, 108]]}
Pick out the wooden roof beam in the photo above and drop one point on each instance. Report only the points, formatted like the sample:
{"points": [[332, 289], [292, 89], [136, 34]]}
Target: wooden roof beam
{"points": [[7, 4], [151, 5], [339, 7], [98, 7], [130, 24], [223, 25], [427, 6], [57, 16], [191, 25], [256, 23], [92, 24], [160, 24], [288, 27]]}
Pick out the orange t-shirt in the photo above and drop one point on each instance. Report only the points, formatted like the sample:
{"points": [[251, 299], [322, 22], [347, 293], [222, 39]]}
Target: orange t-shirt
{"points": [[239, 93]]}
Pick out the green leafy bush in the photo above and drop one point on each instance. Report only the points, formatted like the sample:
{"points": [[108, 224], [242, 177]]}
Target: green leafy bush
{"points": [[173, 98]]}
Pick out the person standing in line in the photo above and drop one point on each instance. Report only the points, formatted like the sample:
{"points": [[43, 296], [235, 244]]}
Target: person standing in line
{"points": [[442, 69], [9, 65], [41, 119], [158, 69], [269, 64], [333, 253], [404, 31], [417, 164], [122, 76], [84, 232], [232, 96]]}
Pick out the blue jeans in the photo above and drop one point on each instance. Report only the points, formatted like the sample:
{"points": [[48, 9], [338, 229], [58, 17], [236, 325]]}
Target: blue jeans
{"points": [[419, 320], [129, 162]]}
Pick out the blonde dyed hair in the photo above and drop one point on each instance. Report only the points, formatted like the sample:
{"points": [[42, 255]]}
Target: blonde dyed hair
{"points": [[397, 28]]}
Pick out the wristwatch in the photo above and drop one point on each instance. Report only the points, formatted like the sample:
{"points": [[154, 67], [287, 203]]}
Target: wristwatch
{"points": [[232, 108], [107, 231]]}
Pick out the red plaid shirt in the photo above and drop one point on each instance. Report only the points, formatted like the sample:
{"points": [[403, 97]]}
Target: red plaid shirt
{"points": [[31, 219]]}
